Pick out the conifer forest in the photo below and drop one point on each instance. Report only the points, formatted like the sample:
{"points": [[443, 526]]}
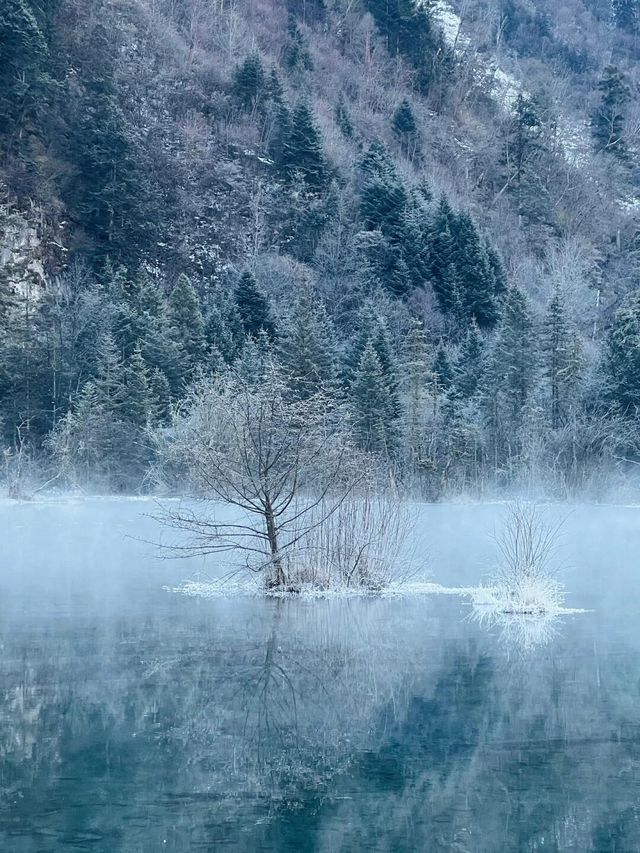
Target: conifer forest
{"points": [[430, 213]]}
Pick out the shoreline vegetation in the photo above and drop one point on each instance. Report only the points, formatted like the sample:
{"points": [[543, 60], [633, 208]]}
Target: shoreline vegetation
{"points": [[441, 272], [310, 509]]}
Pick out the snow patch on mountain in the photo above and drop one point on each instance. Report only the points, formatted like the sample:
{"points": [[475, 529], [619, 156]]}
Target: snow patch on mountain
{"points": [[504, 87]]}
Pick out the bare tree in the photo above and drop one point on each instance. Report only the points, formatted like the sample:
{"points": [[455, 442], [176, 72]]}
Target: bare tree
{"points": [[525, 580], [284, 466]]}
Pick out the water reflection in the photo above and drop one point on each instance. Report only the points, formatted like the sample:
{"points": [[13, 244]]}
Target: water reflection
{"points": [[155, 722], [519, 633]]}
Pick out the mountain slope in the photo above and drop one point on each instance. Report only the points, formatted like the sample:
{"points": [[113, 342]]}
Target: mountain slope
{"points": [[431, 176]]}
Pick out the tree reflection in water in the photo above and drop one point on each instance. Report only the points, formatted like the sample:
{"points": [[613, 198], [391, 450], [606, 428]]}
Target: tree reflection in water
{"points": [[337, 725]]}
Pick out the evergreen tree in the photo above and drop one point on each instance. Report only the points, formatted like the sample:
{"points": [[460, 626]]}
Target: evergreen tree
{"points": [[417, 381], [303, 148], [383, 205], [102, 440], [139, 398], [508, 380], [562, 358], [186, 320], [256, 357], [608, 121], [523, 153], [441, 255], [111, 191], [623, 357], [395, 259], [374, 423], [404, 127], [279, 133], [475, 275], [469, 365], [515, 347], [307, 347], [274, 91], [248, 86], [109, 382], [377, 162], [253, 307], [296, 55], [224, 331], [442, 369], [160, 391], [372, 329], [497, 270], [408, 30]]}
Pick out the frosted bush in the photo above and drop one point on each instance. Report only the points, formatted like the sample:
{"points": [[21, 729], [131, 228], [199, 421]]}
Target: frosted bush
{"points": [[525, 581]]}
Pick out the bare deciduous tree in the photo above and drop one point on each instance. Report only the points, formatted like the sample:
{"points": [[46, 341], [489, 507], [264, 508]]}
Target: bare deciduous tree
{"points": [[285, 466]]}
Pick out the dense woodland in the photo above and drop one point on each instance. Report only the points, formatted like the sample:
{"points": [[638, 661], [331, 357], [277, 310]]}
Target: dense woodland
{"points": [[436, 227]]}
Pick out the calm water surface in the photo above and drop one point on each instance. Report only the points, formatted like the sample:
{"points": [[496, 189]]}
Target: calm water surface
{"points": [[136, 720]]}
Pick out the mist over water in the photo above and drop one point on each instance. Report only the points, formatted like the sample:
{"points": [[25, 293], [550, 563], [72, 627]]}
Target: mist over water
{"points": [[136, 719]]}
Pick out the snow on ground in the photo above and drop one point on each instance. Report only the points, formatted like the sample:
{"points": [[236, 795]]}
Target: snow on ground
{"points": [[483, 599], [451, 25], [505, 87], [230, 588]]}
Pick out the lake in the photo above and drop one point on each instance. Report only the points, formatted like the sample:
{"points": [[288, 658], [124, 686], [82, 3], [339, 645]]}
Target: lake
{"points": [[136, 719]]}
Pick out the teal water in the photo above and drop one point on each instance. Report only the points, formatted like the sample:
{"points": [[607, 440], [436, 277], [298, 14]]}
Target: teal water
{"points": [[137, 720]]}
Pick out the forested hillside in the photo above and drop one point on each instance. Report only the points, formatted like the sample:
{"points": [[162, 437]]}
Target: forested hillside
{"points": [[427, 212]]}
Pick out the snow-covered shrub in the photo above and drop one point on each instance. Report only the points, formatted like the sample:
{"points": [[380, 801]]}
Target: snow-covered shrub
{"points": [[360, 544], [525, 580]]}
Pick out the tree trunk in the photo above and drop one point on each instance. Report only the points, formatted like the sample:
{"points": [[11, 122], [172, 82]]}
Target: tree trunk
{"points": [[277, 579]]}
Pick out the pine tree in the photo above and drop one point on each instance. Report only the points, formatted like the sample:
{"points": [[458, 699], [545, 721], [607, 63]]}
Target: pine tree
{"points": [[115, 190], [278, 137], [374, 423], [139, 400], [160, 391], [468, 371], [109, 384], [441, 254], [408, 30], [441, 368], [248, 86], [417, 381], [223, 333], [256, 357], [515, 347], [253, 307], [404, 127], [383, 204], [608, 121], [377, 162], [296, 55], [523, 152], [186, 320], [274, 91], [562, 358], [303, 148], [307, 347], [394, 260], [497, 269], [372, 329], [475, 275], [623, 357], [508, 380]]}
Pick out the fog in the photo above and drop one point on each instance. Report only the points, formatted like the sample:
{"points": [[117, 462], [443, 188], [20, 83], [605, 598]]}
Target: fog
{"points": [[137, 719]]}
